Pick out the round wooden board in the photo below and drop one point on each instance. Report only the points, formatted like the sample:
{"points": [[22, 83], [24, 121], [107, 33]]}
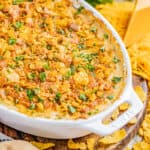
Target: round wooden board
{"points": [[62, 144]]}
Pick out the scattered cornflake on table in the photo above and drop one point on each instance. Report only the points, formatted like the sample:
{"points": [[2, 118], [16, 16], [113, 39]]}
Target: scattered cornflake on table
{"points": [[91, 143], [76, 145], [114, 138], [145, 129], [141, 146], [42, 146], [141, 93]]}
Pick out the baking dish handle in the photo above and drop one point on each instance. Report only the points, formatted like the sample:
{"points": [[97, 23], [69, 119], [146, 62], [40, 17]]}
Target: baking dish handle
{"points": [[99, 128]]}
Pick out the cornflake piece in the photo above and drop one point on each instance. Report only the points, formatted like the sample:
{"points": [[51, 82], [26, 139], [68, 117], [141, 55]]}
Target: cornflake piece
{"points": [[73, 145], [91, 143], [140, 92], [42, 146], [114, 138], [141, 146]]}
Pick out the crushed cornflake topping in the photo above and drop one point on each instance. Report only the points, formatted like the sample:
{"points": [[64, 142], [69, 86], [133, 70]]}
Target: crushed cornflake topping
{"points": [[56, 60]]}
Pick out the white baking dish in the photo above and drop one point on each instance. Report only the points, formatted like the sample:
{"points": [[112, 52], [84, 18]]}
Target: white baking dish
{"points": [[63, 129]]}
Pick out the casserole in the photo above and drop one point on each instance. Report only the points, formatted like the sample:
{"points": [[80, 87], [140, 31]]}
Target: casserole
{"points": [[80, 127]]}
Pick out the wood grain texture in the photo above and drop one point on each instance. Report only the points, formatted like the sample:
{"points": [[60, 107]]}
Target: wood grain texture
{"points": [[62, 144]]}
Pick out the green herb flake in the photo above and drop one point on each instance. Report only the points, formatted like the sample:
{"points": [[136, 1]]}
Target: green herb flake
{"points": [[102, 49], [71, 109], [93, 29], [13, 66], [30, 94], [116, 60], [46, 66], [96, 2], [106, 36], [116, 79], [42, 76], [90, 67], [72, 69], [79, 10], [83, 97], [32, 106], [17, 88], [61, 31], [40, 100], [110, 97], [94, 44], [19, 58], [18, 25], [68, 74], [49, 47], [57, 97], [16, 2], [88, 57], [31, 76], [12, 41], [81, 46]]}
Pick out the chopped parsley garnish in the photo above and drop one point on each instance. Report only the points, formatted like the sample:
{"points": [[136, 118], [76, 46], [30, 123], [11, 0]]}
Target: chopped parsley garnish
{"points": [[90, 67], [30, 94], [40, 100], [88, 57], [42, 76], [17, 88], [81, 46], [116, 79], [31, 76], [18, 25], [13, 66], [110, 97], [93, 29], [32, 106], [79, 10], [57, 97], [106, 36], [16, 2], [95, 2], [46, 66], [19, 58], [102, 49], [71, 109], [116, 60], [73, 69], [83, 97], [68, 74], [61, 31], [49, 47], [12, 41]]}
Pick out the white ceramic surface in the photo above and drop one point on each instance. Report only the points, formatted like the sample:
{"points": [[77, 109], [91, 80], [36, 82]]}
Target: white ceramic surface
{"points": [[64, 129]]}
